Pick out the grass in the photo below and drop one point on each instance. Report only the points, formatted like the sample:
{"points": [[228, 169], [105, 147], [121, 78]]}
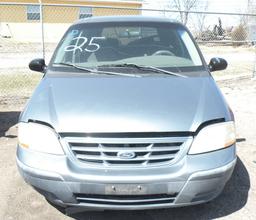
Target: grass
{"points": [[235, 70], [18, 84], [240, 59]]}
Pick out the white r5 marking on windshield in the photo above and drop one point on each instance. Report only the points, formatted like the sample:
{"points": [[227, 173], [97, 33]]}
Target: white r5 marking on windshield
{"points": [[81, 41], [91, 43]]}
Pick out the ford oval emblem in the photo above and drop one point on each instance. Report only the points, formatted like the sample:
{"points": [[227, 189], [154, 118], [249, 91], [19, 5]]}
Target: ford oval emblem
{"points": [[126, 154]]}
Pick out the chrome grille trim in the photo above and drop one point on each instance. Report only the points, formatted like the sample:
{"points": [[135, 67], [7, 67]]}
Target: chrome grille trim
{"points": [[114, 158], [148, 151]]}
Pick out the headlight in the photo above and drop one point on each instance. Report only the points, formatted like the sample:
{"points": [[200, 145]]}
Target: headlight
{"points": [[39, 138], [214, 137]]}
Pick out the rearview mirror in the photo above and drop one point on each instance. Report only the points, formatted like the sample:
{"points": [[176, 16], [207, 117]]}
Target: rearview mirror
{"points": [[217, 64], [37, 65]]}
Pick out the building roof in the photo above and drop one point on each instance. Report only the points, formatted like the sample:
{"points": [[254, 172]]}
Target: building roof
{"points": [[76, 2], [100, 1]]}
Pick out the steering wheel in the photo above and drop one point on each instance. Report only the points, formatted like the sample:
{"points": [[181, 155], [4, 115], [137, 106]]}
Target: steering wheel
{"points": [[163, 52]]}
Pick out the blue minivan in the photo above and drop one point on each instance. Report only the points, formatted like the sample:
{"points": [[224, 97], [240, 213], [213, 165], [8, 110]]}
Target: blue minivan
{"points": [[127, 116]]}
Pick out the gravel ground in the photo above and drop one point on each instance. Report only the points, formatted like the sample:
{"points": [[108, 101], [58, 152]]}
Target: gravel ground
{"points": [[20, 201]]}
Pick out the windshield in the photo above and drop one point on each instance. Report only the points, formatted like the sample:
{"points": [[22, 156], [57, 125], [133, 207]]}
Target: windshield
{"points": [[161, 45]]}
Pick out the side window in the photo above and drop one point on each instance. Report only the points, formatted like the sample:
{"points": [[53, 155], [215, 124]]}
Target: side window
{"points": [[33, 12], [85, 12]]}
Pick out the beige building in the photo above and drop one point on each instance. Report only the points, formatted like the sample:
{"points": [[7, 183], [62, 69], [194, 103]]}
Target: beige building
{"points": [[22, 21]]}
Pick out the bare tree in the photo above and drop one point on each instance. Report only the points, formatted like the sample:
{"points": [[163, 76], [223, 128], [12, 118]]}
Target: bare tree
{"points": [[200, 17], [184, 6]]}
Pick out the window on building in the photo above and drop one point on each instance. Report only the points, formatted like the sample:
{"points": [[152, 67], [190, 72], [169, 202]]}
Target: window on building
{"points": [[33, 12], [85, 12]]}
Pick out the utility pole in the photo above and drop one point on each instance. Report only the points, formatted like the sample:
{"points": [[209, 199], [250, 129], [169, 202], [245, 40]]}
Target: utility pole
{"points": [[42, 27]]}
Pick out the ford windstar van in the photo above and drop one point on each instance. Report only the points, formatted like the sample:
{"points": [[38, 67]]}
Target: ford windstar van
{"points": [[127, 116]]}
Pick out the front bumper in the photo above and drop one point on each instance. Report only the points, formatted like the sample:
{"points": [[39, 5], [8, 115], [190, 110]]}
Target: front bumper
{"points": [[195, 179]]}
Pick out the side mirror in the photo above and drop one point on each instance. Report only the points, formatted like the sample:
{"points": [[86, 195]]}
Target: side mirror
{"points": [[217, 64], [37, 65]]}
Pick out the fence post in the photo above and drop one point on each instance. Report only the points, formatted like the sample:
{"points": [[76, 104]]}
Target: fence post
{"points": [[42, 28], [254, 65]]}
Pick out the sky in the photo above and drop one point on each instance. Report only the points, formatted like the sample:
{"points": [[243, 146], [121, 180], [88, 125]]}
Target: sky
{"points": [[225, 6], [214, 5]]}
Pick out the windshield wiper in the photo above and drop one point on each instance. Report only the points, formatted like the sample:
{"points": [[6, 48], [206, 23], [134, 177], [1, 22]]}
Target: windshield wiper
{"points": [[94, 70], [75, 66], [144, 68]]}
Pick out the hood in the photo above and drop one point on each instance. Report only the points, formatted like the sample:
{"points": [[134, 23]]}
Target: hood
{"points": [[125, 104]]}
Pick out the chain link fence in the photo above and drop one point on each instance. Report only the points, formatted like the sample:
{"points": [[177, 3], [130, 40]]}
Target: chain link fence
{"points": [[28, 31]]}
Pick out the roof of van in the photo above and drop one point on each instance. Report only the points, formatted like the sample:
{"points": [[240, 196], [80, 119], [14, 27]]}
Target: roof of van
{"points": [[129, 18]]}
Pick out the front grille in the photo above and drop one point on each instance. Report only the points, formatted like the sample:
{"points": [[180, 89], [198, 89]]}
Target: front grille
{"points": [[125, 199], [127, 151]]}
